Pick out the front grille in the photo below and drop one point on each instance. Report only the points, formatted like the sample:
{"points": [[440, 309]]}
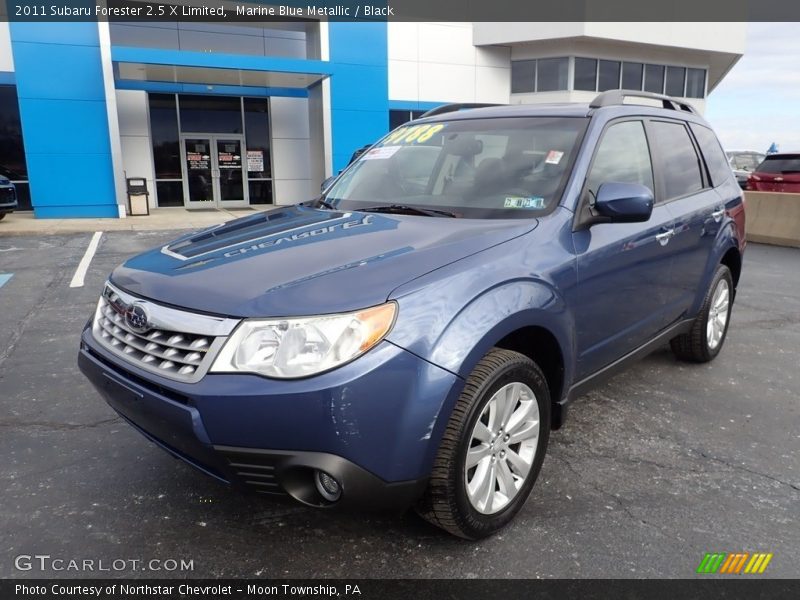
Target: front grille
{"points": [[7, 195], [162, 345]]}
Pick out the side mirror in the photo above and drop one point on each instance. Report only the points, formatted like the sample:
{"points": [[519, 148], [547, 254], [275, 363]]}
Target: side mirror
{"points": [[327, 183], [624, 203]]}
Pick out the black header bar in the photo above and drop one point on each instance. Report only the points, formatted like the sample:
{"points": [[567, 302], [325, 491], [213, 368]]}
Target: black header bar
{"points": [[234, 11]]}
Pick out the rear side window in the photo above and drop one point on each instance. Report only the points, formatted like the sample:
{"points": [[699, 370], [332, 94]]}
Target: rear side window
{"points": [[716, 162], [622, 157], [680, 164], [780, 163]]}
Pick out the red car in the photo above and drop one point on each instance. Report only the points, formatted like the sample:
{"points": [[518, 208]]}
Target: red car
{"points": [[778, 173]]}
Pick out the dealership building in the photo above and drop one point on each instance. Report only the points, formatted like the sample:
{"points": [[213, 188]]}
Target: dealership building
{"points": [[234, 115]]}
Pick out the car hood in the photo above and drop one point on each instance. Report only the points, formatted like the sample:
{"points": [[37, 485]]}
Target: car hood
{"points": [[302, 261]]}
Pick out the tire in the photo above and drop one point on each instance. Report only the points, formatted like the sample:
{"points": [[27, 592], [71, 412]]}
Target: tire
{"points": [[699, 344], [3, 216], [522, 386]]}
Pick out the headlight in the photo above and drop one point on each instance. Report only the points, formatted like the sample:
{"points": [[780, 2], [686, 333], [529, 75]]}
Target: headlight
{"points": [[298, 347]]}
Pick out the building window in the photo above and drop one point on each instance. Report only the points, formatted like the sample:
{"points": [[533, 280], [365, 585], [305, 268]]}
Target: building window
{"points": [[632, 75], [290, 39], [592, 75], [676, 79], [12, 148], [654, 78], [600, 75], [608, 76], [585, 74], [171, 116], [552, 74], [523, 76], [695, 83], [166, 149], [257, 136], [401, 117], [210, 114]]}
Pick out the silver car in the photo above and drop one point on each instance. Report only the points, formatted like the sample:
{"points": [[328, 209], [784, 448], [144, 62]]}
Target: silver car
{"points": [[743, 163], [8, 197]]}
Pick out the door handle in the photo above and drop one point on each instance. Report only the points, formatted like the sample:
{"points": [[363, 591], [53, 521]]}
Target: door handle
{"points": [[664, 238], [718, 214]]}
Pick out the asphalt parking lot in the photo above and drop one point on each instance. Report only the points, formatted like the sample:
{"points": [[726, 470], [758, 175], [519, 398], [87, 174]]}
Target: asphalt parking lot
{"points": [[664, 463]]}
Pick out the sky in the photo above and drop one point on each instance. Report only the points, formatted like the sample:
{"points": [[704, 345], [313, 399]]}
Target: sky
{"points": [[758, 102]]}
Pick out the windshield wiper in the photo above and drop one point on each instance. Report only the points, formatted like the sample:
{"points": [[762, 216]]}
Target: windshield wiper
{"points": [[316, 202], [414, 210]]}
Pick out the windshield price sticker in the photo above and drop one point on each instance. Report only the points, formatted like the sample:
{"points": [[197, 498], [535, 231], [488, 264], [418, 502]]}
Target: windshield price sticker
{"points": [[380, 153], [529, 202], [415, 134]]}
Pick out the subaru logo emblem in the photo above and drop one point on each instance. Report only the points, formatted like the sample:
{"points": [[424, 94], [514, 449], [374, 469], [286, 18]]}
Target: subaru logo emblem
{"points": [[136, 318]]}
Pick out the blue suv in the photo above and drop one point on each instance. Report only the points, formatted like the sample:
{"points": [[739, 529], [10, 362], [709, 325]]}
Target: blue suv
{"points": [[411, 337]]}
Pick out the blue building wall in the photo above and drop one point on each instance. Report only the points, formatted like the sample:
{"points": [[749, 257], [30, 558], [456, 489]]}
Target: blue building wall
{"points": [[64, 120], [359, 87], [62, 102]]}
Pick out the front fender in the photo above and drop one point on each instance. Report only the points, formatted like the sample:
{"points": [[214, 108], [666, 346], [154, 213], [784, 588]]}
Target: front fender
{"points": [[468, 335]]}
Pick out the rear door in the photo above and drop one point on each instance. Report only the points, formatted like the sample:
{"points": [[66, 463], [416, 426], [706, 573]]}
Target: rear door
{"points": [[697, 208], [623, 268]]}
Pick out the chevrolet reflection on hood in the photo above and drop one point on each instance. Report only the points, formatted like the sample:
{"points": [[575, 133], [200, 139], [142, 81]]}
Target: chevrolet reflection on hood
{"points": [[297, 258]]}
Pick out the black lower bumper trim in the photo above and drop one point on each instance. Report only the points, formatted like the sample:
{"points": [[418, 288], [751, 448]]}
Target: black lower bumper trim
{"points": [[293, 472]]}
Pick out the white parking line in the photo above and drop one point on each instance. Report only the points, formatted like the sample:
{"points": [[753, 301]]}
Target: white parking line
{"points": [[83, 266]]}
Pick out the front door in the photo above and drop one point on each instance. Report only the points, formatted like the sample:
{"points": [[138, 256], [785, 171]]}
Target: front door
{"points": [[214, 171], [624, 269]]}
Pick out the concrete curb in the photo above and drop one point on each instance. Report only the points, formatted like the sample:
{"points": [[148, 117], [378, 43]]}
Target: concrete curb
{"points": [[159, 219]]}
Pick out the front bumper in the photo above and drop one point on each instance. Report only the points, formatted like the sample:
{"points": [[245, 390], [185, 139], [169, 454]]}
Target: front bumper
{"points": [[371, 424], [8, 199]]}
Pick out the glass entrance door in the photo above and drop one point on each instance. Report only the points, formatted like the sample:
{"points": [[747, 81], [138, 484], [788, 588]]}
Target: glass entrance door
{"points": [[213, 170]]}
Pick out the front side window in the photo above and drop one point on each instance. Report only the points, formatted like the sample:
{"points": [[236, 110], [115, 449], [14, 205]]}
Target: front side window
{"points": [[473, 168], [678, 159], [623, 156]]}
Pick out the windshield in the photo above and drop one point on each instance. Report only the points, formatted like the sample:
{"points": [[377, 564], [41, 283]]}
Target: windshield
{"points": [[474, 168], [783, 163]]}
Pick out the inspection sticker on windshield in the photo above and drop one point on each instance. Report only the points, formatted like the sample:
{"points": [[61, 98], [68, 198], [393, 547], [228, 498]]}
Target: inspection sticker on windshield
{"points": [[531, 202], [554, 157], [381, 153]]}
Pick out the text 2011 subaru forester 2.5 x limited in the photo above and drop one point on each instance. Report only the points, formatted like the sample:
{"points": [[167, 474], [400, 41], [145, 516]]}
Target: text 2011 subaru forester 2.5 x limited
{"points": [[411, 337]]}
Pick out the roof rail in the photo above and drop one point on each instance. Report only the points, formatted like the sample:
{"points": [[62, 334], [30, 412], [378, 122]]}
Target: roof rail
{"points": [[617, 97], [446, 108]]}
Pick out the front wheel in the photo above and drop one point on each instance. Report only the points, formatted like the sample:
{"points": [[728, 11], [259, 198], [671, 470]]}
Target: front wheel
{"points": [[492, 449], [707, 335]]}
